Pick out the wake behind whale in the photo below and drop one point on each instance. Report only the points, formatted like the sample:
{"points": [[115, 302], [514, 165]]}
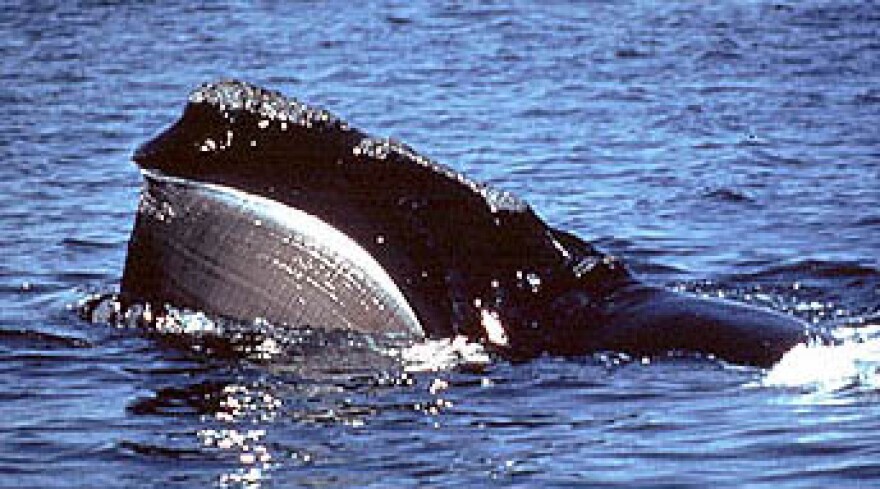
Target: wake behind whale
{"points": [[259, 206]]}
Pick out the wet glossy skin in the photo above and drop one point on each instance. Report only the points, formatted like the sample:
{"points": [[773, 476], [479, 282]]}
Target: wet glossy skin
{"points": [[468, 258]]}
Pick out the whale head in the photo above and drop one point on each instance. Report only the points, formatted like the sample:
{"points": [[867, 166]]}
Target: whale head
{"points": [[461, 251]]}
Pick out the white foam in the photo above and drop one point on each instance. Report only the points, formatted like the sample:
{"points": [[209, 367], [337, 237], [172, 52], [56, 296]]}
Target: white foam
{"points": [[853, 363], [442, 354]]}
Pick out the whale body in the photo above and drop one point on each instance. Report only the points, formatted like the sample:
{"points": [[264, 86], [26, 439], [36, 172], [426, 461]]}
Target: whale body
{"points": [[259, 206]]}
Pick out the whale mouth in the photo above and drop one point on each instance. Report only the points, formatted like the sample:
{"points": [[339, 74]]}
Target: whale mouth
{"points": [[217, 248]]}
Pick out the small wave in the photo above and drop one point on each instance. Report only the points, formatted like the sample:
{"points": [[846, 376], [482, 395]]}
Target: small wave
{"points": [[720, 55], [840, 273], [775, 160], [90, 244], [869, 221], [398, 20], [709, 145], [751, 140], [25, 338], [160, 451], [870, 96], [726, 194], [851, 365], [625, 53]]}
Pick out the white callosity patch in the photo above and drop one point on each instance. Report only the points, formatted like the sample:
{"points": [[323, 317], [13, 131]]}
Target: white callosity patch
{"points": [[271, 106], [159, 210], [530, 280], [494, 328]]}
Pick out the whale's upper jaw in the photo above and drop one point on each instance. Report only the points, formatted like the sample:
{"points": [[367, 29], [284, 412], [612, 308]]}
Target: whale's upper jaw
{"points": [[232, 128], [234, 131]]}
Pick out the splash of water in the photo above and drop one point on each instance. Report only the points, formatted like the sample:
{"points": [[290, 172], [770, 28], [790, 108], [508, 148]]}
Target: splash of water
{"points": [[443, 354], [851, 363]]}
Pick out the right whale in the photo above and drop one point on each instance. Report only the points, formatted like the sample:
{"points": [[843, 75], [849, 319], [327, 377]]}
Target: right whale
{"points": [[246, 170]]}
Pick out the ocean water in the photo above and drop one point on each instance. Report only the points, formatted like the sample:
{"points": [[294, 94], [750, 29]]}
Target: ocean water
{"points": [[724, 148]]}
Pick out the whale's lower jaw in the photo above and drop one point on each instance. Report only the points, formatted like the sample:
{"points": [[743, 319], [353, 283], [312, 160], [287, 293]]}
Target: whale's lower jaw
{"points": [[217, 249]]}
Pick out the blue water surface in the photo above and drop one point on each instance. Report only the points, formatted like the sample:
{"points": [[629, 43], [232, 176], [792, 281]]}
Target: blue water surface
{"points": [[727, 148]]}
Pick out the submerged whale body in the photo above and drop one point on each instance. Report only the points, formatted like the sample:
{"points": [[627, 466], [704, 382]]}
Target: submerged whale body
{"points": [[259, 206]]}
